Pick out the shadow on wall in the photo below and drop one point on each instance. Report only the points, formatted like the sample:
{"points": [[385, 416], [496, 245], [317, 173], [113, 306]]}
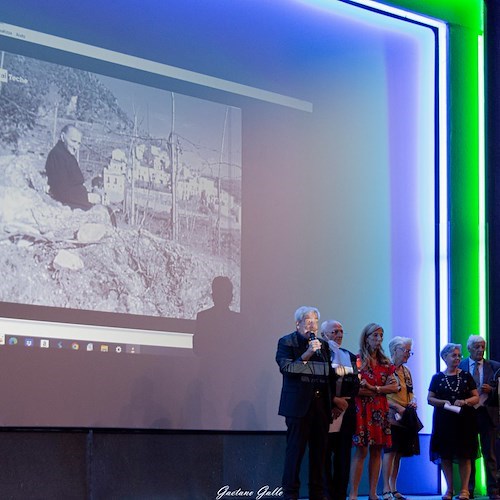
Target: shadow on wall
{"points": [[215, 399]]}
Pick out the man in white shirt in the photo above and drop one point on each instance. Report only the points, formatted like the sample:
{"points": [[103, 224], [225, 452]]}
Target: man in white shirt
{"points": [[483, 371], [345, 385]]}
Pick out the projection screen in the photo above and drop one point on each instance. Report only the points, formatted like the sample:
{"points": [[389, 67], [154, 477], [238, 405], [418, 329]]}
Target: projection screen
{"points": [[244, 159]]}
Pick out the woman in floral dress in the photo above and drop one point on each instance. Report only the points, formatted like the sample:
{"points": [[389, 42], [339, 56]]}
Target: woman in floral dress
{"points": [[373, 430]]}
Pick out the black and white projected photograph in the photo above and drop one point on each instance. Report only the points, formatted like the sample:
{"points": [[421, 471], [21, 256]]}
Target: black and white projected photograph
{"points": [[136, 188]]}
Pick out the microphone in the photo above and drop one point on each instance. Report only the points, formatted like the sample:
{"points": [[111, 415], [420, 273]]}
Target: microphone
{"points": [[312, 337]]}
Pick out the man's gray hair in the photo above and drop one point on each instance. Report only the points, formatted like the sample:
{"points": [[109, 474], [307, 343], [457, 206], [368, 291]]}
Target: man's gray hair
{"points": [[473, 339], [325, 324], [303, 311]]}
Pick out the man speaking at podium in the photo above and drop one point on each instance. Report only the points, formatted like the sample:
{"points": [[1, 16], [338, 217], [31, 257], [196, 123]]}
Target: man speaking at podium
{"points": [[304, 362]]}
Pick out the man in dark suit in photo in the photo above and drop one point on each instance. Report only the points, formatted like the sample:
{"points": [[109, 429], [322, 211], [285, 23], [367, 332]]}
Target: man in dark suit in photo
{"points": [[483, 371], [304, 362], [64, 176]]}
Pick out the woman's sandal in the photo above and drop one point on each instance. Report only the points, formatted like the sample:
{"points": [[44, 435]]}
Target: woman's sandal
{"points": [[464, 495], [387, 495], [398, 496], [448, 495]]}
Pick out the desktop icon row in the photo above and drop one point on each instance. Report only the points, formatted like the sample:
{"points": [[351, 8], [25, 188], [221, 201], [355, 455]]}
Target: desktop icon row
{"points": [[45, 343]]}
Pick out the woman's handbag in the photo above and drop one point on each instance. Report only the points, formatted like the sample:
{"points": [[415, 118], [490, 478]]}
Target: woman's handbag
{"points": [[410, 420]]}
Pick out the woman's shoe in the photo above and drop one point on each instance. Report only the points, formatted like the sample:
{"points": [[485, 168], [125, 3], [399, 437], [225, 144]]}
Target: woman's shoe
{"points": [[398, 496], [464, 495], [448, 495], [387, 495]]}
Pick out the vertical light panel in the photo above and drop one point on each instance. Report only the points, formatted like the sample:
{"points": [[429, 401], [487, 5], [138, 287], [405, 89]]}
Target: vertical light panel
{"points": [[463, 228], [442, 154], [444, 303], [428, 271]]}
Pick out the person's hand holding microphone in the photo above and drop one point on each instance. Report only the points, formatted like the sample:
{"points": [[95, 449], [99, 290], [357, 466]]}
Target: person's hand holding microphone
{"points": [[313, 347]]}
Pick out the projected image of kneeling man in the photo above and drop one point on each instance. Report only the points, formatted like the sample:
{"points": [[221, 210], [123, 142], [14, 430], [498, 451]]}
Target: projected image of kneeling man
{"points": [[305, 402], [64, 176]]}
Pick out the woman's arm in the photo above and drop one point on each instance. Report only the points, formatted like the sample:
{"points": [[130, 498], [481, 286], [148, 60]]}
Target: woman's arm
{"points": [[434, 401], [367, 389], [391, 386], [472, 400], [396, 406]]}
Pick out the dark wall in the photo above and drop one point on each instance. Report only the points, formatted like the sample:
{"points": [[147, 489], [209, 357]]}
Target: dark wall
{"points": [[103, 464], [95, 465]]}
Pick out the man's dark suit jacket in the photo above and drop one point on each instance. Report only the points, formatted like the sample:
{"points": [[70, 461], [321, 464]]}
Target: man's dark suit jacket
{"points": [[65, 178], [300, 380], [489, 369]]}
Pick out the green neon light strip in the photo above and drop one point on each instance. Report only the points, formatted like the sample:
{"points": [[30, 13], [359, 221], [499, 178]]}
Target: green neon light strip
{"points": [[483, 330]]}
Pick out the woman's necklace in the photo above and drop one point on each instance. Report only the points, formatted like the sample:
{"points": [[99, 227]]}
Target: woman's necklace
{"points": [[447, 382]]}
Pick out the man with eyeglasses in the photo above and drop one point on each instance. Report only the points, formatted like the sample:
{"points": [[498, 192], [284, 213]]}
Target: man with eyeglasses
{"points": [[483, 371], [344, 387], [305, 402]]}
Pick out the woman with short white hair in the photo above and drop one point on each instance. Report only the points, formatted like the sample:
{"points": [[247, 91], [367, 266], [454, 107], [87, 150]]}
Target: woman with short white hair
{"points": [[405, 441]]}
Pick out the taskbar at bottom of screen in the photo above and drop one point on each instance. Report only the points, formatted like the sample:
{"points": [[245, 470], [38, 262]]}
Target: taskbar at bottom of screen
{"points": [[30, 342]]}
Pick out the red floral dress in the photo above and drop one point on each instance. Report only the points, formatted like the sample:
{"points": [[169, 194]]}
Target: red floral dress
{"points": [[372, 422]]}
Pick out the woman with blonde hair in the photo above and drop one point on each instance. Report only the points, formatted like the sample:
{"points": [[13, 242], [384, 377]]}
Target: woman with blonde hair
{"points": [[373, 431]]}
